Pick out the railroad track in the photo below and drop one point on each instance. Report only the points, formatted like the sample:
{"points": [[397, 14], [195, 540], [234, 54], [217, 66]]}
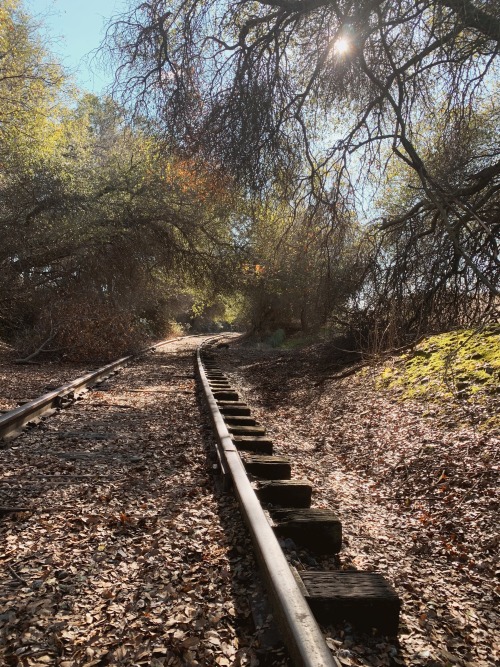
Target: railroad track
{"points": [[272, 505], [115, 485], [13, 421]]}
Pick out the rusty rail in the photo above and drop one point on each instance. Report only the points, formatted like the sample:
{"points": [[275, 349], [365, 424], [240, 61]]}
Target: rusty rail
{"points": [[301, 633], [12, 422]]}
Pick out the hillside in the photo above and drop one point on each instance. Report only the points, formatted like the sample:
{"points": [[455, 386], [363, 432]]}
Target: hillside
{"points": [[409, 461]]}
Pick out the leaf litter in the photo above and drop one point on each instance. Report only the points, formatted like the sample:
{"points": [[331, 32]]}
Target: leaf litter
{"points": [[416, 489], [129, 555]]}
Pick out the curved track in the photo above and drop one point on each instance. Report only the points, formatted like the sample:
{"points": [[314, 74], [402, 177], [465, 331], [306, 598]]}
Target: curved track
{"points": [[126, 553], [101, 463]]}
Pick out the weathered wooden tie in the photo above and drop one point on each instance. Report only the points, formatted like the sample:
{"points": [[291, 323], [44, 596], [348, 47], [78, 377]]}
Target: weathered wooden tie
{"points": [[240, 410], [253, 443], [364, 599], [239, 420], [317, 529], [221, 404], [226, 395], [246, 430], [285, 493], [268, 467]]}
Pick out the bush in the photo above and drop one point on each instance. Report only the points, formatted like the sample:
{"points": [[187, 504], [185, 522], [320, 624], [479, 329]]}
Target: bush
{"points": [[84, 329], [276, 338]]}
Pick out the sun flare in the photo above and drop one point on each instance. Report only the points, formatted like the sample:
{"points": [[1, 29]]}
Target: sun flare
{"points": [[341, 46]]}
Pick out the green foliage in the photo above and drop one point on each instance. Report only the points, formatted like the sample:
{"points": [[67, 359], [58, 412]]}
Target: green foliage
{"points": [[173, 329], [461, 364], [95, 210], [29, 82], [409, 107], [233, 307], [300, 270], [299, 341], [276, 339]]}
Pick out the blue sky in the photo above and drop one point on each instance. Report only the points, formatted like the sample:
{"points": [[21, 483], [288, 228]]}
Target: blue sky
{"points": [[74, 29]]}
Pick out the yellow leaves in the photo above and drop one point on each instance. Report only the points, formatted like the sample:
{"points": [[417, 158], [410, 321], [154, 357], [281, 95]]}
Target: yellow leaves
{"points": [[253, 269], [29, 88]]}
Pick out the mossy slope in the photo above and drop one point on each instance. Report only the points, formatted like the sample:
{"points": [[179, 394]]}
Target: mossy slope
{"points": [[461, 364]]}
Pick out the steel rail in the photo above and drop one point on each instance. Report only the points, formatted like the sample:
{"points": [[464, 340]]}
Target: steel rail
{"points": [[12, 422], [301, 633]]}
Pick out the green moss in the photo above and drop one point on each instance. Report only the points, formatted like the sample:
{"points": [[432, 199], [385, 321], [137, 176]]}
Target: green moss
{"points": [[458, 364]]}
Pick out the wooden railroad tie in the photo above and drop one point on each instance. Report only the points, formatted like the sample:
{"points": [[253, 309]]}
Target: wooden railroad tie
{"points": [[285, 493], [237, 420], [226, 395], [246, 430], [268, 467], [222, 404], [364, 599], [253, 443], [240, 409], [316, 529]]}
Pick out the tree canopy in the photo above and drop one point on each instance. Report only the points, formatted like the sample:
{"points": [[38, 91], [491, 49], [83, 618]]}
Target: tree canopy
{"points": [[99, 220], [328, 96], [350, 151]]}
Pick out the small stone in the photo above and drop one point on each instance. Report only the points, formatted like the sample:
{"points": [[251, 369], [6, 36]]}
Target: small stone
{"points": [[61, 574]]}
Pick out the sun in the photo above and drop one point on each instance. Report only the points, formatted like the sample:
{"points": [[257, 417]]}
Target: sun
{"points": [[341, 46]]}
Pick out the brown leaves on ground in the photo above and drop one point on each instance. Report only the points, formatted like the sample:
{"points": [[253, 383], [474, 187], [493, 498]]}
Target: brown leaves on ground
{"points": [[129, 556], [20, 383], [416, 490]]}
